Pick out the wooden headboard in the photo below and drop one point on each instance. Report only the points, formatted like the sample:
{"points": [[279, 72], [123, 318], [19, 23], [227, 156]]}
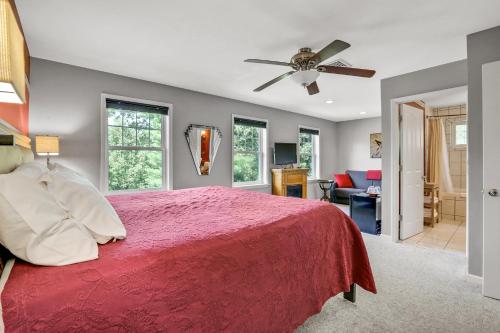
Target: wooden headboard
{"points": [[19, 139], [15, 148]]}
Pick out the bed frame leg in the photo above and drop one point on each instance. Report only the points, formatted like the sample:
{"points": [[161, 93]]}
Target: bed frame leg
{"points": [[351, 294]]}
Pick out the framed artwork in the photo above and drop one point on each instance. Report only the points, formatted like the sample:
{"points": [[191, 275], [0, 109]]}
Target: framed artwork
{"points": [[376, 145]]}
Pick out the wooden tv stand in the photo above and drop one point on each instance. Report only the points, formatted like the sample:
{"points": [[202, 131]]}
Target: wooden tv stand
{"points": [[287, 182]]}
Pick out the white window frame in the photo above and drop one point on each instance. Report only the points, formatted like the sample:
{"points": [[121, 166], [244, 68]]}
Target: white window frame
{"points": [[454, 134], [316, 152], [263, 156], [166, 144]]}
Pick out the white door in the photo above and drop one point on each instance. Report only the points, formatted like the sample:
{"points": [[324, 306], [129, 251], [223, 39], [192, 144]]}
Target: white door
{"points": [[412, 171], [491, 180]]}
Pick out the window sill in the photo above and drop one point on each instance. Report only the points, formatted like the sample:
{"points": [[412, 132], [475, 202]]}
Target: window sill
{"points": [[251, 186]]}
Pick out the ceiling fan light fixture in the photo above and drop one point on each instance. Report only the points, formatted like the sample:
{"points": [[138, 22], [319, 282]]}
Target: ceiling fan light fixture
{"points": [[330, 101], [305, 78], [306, 70]]}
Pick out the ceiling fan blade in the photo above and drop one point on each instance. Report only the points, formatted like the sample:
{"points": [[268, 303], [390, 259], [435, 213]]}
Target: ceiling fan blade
{"points": [[346, 71], [329, 51], [273, 81], [313, 88], [269, 62]]}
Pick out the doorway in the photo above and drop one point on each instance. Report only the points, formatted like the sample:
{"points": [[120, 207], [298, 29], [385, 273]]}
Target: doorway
{"points": [[432, 189]]}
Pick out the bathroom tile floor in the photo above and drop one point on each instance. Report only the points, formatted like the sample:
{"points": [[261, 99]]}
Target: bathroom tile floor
{"points": [[448, 235]]}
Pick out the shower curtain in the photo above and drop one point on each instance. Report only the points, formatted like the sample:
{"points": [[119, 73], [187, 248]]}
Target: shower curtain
{"points": [[438, 167]]}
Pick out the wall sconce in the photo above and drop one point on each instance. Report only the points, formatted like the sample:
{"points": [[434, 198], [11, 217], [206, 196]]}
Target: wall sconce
{"points": [[46, 145]]}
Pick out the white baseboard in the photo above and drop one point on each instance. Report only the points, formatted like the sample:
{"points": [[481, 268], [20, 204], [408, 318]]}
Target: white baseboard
{"points": [[475, 278], [387, 238]]}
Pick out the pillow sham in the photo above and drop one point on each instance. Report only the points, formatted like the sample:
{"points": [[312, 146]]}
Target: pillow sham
{"points": [[84, 201], [34, 227], [31, 200], [33, 170]]}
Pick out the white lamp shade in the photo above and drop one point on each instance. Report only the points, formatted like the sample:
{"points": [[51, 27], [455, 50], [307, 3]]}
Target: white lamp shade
{"points": [[305, 78], [47, 145]]}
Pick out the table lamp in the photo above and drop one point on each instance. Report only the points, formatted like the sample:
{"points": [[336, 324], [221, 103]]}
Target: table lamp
{"points": [[46, 145]]}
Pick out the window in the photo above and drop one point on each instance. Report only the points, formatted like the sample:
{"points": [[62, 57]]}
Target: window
{"points": [[309, 150], [459, 133], [135, 145], [249, 153]]}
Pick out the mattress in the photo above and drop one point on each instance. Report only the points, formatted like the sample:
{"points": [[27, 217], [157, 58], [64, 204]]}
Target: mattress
{"points": [[198, 260]]}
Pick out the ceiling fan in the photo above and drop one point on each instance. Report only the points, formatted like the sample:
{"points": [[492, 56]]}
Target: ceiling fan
{"points": [[307, 67]]}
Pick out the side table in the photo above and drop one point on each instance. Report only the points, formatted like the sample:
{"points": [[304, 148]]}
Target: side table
{"points": [[365, 210], [325, 185]]}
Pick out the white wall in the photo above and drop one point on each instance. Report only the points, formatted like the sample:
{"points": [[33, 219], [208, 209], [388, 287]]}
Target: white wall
{"points": [[65, 101], [353, 139]]}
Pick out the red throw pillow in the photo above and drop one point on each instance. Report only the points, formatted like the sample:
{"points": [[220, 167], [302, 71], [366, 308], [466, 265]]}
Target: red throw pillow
{"points": [[343, 181]]}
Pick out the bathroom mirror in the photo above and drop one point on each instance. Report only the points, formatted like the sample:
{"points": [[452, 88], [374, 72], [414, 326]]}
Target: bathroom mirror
{"points": [[203, 142]]}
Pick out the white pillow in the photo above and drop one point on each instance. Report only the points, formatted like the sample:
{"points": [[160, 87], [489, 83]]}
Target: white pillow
{"points": [[34, 227], [30, 198], [85, 203], [33, 170]]}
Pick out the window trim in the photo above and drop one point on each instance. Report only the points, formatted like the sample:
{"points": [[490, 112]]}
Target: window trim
{"points": [[264, 163], [316, 153], [166, 144], [454, 134]]}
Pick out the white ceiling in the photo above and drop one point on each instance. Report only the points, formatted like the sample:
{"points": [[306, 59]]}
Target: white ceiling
{"points": [[201, 45], [443, 98]]}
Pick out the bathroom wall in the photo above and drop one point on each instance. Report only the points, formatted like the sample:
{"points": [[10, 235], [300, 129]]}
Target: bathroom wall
{"points": [[457, 156], [453, 208], [453, 205]]}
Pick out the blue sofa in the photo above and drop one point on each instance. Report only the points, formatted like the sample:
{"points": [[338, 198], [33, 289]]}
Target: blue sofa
{"points": [[360, 183]]}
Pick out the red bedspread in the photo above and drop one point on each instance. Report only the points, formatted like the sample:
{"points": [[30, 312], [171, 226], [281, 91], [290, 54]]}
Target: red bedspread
{"points": [[198, 260]]}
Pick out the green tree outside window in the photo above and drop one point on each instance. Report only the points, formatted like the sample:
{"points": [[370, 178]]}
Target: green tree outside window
{"points": [[246, 156], [135, 155], [306, 152]]}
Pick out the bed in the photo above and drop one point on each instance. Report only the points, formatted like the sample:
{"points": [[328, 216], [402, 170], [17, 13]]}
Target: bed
{"points": [[198, 260]]}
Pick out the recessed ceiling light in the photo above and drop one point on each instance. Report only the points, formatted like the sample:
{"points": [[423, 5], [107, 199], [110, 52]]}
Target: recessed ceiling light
{"points": [[330, 101], [364, 112]]}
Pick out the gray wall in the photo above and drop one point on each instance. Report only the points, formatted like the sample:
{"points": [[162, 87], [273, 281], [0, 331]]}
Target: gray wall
{"points": [[65, 101], [482, 47], [353, 139], [432, 79]]}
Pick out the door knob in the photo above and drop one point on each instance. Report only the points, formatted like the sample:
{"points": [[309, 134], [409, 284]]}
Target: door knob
{"points": [[493, 192]]}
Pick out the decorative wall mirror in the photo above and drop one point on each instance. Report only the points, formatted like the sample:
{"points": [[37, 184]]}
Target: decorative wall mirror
{"points": [[203, 142]]}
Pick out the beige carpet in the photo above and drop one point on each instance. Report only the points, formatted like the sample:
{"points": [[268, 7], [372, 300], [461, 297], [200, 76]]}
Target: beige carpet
{"points": [[419, 290]]}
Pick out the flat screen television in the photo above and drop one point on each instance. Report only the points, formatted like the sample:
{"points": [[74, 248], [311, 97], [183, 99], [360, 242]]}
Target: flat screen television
{"points": [[285, 153]]}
